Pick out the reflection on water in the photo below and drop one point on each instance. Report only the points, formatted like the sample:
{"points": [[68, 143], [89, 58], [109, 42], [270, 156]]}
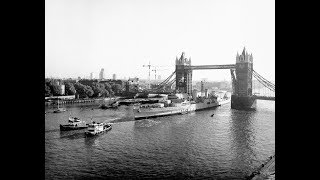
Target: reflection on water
{"points": [[226, 146]]}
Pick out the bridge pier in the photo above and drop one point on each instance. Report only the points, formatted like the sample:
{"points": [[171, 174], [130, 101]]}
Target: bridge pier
{"points": [[243, 102], [242, 92]]}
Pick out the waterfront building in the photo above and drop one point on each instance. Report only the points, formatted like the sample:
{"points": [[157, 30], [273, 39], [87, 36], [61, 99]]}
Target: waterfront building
{"points": [[114, 76], [62, 89], [91, 75]]}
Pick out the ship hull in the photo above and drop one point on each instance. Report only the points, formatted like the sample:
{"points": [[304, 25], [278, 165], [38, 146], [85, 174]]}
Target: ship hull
{"points": [[169, 111], [156, 115], [70, 128], [160, 112], [90, 134]]}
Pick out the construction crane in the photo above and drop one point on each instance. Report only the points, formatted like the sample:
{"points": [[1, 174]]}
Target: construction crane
{"points": [[157, 70], [149, 66]]}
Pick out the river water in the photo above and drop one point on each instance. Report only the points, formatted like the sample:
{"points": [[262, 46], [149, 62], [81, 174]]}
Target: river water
{"points": [[228, 145]]}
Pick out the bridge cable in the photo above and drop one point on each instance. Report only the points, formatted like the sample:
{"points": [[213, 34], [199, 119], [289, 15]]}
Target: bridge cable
{"points": [[268, 82], [166, 80], [264, 83], [263, 79]]}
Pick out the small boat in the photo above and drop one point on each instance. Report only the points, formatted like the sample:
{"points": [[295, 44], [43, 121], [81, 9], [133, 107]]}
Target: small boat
{"points": [[74, 123], [103, 106], [97, 128], [59, 110]]}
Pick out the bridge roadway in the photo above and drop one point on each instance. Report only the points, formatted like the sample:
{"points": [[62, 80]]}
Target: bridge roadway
{"points": [[265, 98]]}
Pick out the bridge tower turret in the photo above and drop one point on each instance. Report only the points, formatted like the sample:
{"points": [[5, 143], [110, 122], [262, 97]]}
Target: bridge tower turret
{"points": [[183, 75], [244, 74], [242, 93]]}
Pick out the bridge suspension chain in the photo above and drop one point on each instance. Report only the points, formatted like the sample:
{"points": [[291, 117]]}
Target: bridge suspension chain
{"points": [[171, 82], [264, 84], [166, 80], [263, 79]]}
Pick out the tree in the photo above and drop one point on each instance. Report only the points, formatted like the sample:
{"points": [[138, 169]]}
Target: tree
{"points": [[80, 89], [88, 91], [116, 88], [47, 90], [70, 89], [108, 87], [54, 88], [98, 89]]}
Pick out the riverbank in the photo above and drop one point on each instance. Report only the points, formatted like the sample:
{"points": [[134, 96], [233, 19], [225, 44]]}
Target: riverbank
{"points": [[74, 101]]}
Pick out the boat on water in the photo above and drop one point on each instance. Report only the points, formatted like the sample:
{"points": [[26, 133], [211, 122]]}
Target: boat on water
{"points": [[178, 104], [95, 128], [59, 110], [113, 105], [146, 111], [74, 123]]}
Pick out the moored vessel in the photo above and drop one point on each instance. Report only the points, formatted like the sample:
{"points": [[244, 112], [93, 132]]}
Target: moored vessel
{"points": [[146, 111], [112, 105], [97, 128], [74, 123], [59, 110], [178, 104]]}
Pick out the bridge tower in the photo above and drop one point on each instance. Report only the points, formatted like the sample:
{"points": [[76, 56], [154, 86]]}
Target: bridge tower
{"points": [[183, 75], [242, 92]]}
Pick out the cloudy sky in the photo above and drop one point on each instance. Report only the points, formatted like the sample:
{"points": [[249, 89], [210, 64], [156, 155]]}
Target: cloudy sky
{"points": [[83, 36]]}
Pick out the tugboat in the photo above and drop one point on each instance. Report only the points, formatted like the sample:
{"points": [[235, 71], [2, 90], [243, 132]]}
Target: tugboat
{"points": [[97, 128], [74, 123]]}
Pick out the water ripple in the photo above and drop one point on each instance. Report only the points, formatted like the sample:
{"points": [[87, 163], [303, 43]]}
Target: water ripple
{"points": [[193, 146]]}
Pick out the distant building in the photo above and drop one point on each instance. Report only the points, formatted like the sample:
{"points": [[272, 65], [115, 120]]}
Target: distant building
{"points": [[62, 89], [114, 76], [91, 75], [101, 74], [159, 77]]}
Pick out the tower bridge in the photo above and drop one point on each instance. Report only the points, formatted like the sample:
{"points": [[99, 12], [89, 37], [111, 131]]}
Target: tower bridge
{"points": [[241, 75]]}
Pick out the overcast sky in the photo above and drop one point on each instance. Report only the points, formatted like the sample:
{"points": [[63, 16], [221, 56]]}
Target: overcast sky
{"points": [[83, 36]]}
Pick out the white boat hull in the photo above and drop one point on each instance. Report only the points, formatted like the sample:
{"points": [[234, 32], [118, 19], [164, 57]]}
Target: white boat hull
{"points": [[145, 113]]}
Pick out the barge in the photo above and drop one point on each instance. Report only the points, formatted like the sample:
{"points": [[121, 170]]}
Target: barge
{"points": [[74, 123]]}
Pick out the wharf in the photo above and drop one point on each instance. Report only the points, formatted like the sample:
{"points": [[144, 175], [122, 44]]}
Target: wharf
{"points": [[265, 171], [76, 101]]}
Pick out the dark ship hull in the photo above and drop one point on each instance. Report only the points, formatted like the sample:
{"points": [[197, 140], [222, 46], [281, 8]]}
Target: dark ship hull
{"points": [[70, 128]]}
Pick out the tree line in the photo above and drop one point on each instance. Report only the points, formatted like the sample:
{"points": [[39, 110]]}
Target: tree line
{"points": [[84, 88]]}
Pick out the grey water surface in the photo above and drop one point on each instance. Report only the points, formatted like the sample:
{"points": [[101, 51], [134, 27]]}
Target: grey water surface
{"points": [[228, 145]]}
